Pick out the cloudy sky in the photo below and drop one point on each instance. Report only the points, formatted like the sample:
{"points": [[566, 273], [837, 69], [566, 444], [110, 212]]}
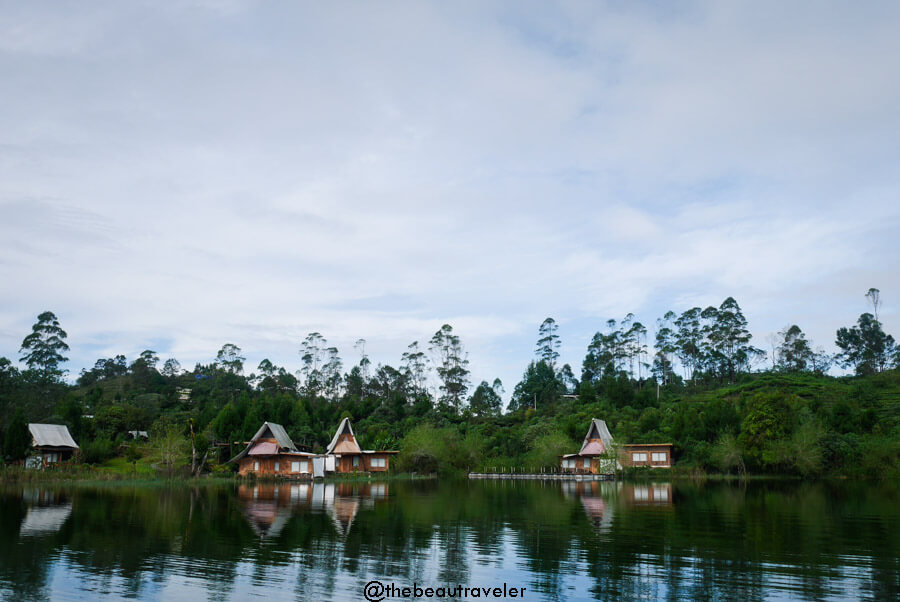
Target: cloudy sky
{"points": [[176, 176]]}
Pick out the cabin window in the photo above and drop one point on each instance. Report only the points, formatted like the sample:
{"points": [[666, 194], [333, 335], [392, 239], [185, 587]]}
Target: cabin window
{"points": [[355, 461], [658, 456], [52, 458], [295, 466], [639, 457], [587, 462], [256, 466], [277, 466], [378, 463]]}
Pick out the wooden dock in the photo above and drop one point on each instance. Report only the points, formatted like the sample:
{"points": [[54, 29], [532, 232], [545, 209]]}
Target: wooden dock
{"points": [[557, 476]]}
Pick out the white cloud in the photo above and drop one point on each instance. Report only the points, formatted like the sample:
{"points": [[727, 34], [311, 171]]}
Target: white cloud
{"points": [[249, 172]]}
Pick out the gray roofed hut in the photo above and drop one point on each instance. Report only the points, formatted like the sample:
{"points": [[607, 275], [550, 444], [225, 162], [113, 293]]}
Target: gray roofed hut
{"points": [[272, 452], [52, 444]]}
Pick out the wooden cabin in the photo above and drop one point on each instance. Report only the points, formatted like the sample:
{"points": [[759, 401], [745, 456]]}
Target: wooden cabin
{"points": [[51, 444], [596, 455], [348, 457], [599, 455], [271, 452], [653, 455]]}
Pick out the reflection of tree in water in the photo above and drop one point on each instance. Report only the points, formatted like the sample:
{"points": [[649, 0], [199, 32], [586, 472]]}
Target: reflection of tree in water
{"points": [[682, 541]]}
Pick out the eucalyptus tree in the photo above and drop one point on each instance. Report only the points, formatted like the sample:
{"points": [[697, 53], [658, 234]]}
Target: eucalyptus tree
{"points": [[727, 340], [539, 388], [171, 368], [666, 345], [414, 364], [486, 400], [331, 373], [364, 362], [689, 341], [547, 347], [42, 350], [866, 347], [452, 364], [605, 353], [794, 353], [636, 347], [149, 358], [312, 355], [874, 297], [229, 359]]}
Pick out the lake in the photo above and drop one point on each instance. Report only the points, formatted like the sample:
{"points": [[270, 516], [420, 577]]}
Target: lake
{"points": [[769, 540]]}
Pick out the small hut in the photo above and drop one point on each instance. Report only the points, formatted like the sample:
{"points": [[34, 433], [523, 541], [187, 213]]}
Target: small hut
{"points": [[348, 457], [597, 455], [271, 452], [51, 443]]}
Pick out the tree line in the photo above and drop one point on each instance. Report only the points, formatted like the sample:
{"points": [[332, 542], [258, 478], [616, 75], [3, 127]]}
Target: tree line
{"points": [[622, 368]]}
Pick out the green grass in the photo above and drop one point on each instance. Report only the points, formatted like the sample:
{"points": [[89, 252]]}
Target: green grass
{"points": [[121, 466]]}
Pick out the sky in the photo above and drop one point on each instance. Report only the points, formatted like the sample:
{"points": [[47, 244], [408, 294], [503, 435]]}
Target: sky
{"points": [[176, 176]]}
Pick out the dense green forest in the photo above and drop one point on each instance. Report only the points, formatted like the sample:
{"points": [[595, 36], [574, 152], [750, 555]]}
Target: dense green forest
{"points": [[726, 405]]}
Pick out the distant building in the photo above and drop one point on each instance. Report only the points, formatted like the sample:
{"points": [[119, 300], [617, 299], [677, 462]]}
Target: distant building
{"points": [[347, 455], [51, 443], [271, 452]]}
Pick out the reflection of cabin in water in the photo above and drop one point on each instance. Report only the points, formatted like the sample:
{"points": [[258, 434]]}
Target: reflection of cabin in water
{"points": [[596, 498], [348, 457], [51, 443], [47, 512], [599, 454], [269, 507], [271, 452], [650, 494]]}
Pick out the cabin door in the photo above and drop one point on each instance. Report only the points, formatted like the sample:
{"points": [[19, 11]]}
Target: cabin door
{"points": [[318, 467]]}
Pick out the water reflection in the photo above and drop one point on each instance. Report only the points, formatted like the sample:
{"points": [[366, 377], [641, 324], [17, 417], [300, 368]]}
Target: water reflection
{"points": [[649, 494], [46, 512], [574, 540], [269, 507]]}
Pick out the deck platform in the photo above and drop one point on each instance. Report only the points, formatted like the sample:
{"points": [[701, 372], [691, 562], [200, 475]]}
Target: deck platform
{"points": [[542, 476]]}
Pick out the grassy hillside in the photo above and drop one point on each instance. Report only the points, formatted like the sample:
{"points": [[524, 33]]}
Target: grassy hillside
{"points": [[769, 423]]}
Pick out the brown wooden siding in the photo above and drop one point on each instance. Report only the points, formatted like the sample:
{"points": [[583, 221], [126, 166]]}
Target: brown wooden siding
{"points": [[345, 464], [267, 465], [626, 457]]}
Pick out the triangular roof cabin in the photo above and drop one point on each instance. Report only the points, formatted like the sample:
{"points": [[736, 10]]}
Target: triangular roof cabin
{"points": [[598, 440], [344, 441], [271, 439]]}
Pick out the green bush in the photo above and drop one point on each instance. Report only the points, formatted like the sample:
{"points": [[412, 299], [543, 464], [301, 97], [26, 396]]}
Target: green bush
{"points": [[97, 451]]}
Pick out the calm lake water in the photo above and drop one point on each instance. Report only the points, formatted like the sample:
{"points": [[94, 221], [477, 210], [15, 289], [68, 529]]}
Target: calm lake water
{"points": [[560, 541]]}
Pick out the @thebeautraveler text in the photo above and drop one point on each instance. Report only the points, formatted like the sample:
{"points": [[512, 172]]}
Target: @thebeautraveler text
{"points": [[377, 591]]}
